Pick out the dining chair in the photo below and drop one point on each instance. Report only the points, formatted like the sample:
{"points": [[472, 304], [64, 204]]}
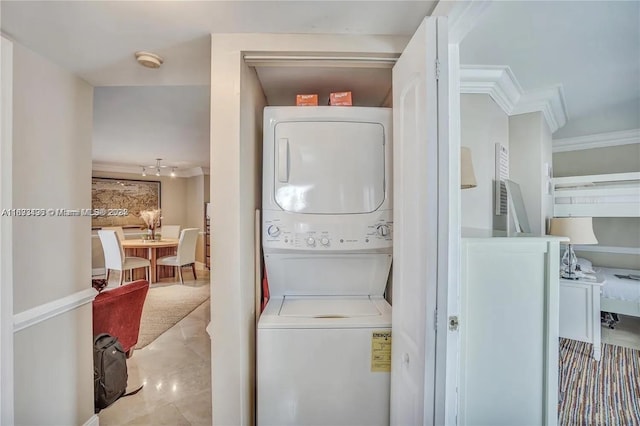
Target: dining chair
{"points": [[118, 229], [186, 255], [115, 258], [170, 231]]}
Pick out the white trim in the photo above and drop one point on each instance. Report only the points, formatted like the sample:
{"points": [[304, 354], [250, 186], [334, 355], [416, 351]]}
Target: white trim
{"points": [[93, 421], [495, 81], [590, 179], [52, 309], [500, 83], [455, 214], [6, 234], [608, 249], [600, 140], [309, 60], [137, 170], [550, 101]]}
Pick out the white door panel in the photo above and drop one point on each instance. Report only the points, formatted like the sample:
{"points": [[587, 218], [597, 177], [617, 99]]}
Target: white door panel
{"points": [[416, 114], [316, 163]]}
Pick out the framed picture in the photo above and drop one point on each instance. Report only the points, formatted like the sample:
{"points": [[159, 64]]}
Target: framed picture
{"points": [[119, 201]]}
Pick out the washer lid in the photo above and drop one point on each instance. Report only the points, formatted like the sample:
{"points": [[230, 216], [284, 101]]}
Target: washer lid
{"points": [[328, 307]]}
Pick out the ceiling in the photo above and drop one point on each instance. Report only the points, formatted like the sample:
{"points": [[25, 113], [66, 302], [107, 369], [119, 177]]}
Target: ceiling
{"points": [[96, 40], [134, 125], [591, 48]]}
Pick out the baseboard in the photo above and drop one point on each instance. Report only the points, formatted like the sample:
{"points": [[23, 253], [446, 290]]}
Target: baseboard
{"points": [[93, 421], [98, 272]]}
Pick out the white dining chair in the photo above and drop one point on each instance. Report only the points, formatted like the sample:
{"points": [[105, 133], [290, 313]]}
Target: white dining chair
{"points": [[186, 255], [170, 231], [118, 229], [115, 258]]}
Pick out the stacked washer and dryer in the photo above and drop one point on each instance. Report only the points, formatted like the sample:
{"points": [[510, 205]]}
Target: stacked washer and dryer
{"points": [[324, 338]]}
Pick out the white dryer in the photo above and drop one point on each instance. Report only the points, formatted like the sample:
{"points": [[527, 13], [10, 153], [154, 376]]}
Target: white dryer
{"points": [[324, 339]]}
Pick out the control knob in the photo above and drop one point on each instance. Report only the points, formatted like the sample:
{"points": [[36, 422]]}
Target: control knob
{"points": [[324, 241], [383, 230], [311, 241], [273, 231]]}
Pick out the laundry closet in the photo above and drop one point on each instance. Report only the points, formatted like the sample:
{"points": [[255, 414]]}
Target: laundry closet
{"points": [[251, 72]]}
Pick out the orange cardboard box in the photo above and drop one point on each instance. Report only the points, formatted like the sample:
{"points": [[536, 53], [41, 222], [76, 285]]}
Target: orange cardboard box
{"points": [[306, 100], [340, 98]]}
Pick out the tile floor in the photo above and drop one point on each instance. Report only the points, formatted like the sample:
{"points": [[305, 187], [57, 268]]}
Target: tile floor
{"points": [[176, 372], [626, 333]]}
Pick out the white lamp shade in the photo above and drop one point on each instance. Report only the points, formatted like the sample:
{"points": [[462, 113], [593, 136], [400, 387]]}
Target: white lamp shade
{"points": [[467, 176], [579, 230]]}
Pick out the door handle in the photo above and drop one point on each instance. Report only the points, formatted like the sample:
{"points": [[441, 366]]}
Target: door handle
{"points": [[283, 160]]}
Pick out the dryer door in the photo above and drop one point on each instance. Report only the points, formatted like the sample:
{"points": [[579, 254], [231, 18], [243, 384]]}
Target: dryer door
{"points": [[326, 167]]}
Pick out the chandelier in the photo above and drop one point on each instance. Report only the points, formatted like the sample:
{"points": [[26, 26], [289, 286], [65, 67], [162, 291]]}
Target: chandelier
{"points": [[155, 169]]}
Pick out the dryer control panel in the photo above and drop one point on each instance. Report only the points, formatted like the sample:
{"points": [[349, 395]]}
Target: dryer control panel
{"points": [[327, 233]]}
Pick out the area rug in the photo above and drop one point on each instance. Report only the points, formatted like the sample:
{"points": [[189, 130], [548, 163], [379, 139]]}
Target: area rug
{"points": [[165, 305], [598, 393]]}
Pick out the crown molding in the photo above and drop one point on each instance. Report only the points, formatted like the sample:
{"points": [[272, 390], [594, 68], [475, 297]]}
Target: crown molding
{"points": [[549, 101], [500, 83], [495, 81], [137, 170], [600, 140]]}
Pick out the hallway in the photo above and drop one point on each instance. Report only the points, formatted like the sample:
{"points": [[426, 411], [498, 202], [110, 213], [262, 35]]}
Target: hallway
{"points": [[176, 372]]}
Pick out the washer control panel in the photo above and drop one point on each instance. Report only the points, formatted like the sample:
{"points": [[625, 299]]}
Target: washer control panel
{"points": [[327, 232]]}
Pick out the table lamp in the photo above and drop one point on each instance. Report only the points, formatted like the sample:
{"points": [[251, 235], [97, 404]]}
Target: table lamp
{"points": [[467, 177], [579, 230]]}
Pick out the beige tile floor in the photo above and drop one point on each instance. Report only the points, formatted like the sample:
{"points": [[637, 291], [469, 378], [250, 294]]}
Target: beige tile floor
{"points": [[176, 372], [626, 333]]}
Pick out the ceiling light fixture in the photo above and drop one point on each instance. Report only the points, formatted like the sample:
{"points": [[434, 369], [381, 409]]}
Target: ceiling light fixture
{"points": [[148, 59], [157, 168]]}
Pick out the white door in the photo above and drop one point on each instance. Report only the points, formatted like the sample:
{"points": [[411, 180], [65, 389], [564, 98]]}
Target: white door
{"points": [[310, 177], [420, 114], [6, 257]]}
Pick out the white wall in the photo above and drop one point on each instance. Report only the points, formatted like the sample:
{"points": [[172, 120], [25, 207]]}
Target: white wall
{"points": [[52, 118], [235, 192], [483, 124], [530, 150]]}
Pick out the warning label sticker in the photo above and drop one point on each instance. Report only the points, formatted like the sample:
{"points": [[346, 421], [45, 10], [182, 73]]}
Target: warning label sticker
{"points": [[381, 351]]}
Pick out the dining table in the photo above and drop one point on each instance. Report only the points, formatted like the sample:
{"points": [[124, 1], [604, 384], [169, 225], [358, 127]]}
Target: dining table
{"points": [[154, 249]]}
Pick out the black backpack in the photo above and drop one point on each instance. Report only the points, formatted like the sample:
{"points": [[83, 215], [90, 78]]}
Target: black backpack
{"points": [[109, 371]]}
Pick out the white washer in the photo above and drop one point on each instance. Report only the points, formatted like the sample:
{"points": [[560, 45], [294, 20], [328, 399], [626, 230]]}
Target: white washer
{"points": [[324, 339], [316, 362]]}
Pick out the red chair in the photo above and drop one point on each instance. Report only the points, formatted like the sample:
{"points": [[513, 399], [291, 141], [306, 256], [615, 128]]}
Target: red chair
{"points": [[118, 313]]}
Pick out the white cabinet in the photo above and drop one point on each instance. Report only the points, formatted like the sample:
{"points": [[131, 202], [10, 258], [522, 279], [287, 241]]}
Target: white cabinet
{"points": [[509, 331], [580, 311]]}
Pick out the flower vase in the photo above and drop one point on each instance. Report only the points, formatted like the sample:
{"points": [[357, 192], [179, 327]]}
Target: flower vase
{"points": [[153, 234]]}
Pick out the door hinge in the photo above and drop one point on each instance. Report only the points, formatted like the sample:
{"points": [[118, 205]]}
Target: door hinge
{"points": [[454, 323], [437, 69]]}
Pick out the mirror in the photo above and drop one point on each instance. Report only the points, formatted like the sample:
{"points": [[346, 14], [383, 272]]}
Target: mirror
{"points": [[517, 206]]}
